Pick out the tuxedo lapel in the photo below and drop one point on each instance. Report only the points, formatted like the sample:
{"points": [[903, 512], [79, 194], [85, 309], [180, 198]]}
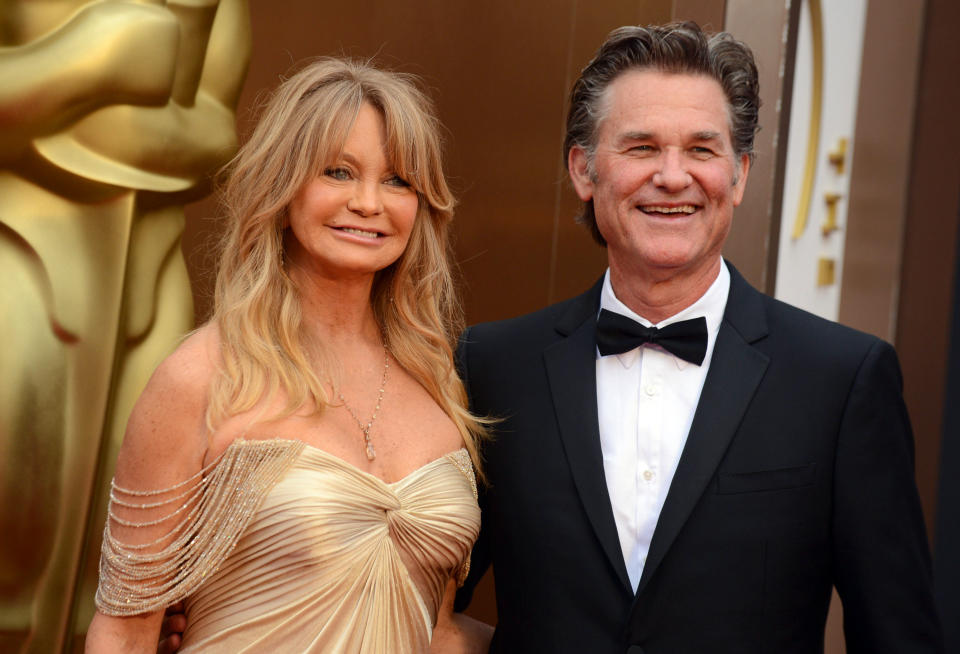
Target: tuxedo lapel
{"points": [[736, 370], [572, 373]]}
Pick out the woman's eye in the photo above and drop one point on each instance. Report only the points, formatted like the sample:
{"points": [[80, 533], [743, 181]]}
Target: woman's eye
{"points": [[396, 180], [340, 174]]}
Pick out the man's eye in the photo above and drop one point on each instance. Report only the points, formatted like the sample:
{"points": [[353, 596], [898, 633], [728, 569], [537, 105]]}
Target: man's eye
{"points": [[340, 174], [702, 150], [642, 148]]}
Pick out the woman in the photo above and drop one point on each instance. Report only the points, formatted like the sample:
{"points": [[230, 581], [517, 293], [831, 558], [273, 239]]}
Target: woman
{"points": [[300, 469]]}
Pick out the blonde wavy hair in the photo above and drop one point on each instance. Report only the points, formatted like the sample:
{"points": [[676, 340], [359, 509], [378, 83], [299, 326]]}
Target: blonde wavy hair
{"points": [[302, 130]]}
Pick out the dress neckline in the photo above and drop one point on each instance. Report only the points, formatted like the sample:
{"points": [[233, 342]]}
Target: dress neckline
{"points": [[343, 463]]}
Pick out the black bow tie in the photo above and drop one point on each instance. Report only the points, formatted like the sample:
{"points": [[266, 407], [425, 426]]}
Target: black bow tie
{"points": [[686, 339]]}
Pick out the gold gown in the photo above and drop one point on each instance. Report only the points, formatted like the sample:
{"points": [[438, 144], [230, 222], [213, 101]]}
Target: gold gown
{"points": [[286, 548]]}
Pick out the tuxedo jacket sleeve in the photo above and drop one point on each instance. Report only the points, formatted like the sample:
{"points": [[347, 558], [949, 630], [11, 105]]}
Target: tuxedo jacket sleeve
{"points": [[796, 477]]}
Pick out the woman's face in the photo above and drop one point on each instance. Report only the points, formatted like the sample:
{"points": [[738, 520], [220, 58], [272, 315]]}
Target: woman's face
{"points": [[355, 218]]}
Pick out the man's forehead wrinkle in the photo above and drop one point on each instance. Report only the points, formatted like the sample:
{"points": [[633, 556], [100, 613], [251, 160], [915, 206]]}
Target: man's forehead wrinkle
{"points": [[610, 102]]}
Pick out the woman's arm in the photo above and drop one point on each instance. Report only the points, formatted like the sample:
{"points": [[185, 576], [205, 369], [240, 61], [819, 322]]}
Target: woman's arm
{"points": [[137, 633], [458, 633], [165, 444]]}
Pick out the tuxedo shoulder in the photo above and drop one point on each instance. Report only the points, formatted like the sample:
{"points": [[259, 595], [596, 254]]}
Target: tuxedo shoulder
{"points": [[816, 334], [774, 325]]}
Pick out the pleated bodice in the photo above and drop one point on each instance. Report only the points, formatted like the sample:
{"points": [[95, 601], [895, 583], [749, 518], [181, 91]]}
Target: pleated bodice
{"points": [[336, 560]]}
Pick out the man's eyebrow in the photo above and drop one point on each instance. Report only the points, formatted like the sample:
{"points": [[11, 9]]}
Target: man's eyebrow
{"points": [[707, 135], [703, 135], [635, 136]]}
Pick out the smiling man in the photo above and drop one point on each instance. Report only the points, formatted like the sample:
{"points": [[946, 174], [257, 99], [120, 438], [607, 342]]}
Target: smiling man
{"points": [[683, 464]]}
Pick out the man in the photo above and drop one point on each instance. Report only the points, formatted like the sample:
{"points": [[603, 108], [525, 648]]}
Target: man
{"points": [[701, 486]]}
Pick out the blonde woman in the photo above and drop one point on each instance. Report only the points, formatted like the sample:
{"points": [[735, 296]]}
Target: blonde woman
{"points": [[301, 469]]}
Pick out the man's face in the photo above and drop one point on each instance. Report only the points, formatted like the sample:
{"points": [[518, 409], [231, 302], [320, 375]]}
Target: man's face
{"points": [[665, 178]]}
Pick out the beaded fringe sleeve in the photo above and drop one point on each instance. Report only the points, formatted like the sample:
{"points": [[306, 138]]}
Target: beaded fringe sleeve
{"points": [[211, 510], [462, 461]]}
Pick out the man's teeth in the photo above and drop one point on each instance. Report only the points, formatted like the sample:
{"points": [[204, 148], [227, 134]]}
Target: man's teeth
{"points": [[360, 232], [686, 208]]}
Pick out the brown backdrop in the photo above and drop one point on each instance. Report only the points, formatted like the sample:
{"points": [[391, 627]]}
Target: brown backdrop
{"points": [[500, 71]]}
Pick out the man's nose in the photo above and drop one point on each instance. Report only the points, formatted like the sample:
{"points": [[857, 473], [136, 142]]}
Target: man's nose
{"points": [[672, 174], [366, 199]]}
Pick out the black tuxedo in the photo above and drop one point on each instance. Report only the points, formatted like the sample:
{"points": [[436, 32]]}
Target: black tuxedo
{"points": [[797, 475]]}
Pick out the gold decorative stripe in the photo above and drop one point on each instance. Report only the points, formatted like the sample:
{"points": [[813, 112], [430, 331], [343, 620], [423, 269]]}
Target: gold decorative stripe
{"points": [[816, 108]]}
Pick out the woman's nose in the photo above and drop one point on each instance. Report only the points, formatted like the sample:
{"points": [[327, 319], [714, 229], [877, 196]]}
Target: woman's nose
{"points": [[366, 200]]}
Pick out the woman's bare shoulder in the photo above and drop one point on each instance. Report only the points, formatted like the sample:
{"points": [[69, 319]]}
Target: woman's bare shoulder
{"points": [[194, 362], [181, 383], [167, 434]]}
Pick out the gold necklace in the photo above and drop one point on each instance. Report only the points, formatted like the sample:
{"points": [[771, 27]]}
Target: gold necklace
{"points": [[371, 453]]}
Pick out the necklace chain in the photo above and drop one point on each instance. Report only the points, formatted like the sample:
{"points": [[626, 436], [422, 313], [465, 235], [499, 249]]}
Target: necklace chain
{"points": [[371, 453]]}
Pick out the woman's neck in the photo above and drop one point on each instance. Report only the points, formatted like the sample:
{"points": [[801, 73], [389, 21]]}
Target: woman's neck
{"points": [[338, 311]]}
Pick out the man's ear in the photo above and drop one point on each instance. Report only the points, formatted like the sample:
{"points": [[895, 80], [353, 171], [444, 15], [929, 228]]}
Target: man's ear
{"points": [[577, 160], [741, 180]]}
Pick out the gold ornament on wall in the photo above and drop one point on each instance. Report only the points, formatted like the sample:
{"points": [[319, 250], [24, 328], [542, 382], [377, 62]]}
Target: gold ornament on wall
{"points": [[113, 114], [816, 109], [830, 223], [838, 156]]}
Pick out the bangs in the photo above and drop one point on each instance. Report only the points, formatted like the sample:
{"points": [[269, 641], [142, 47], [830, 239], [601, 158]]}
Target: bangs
{"points": [[309, 136], [324, 131], [403, 152], [412, 146]]}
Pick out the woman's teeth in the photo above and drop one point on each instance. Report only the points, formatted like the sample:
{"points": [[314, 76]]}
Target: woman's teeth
{"points": [[360, 232]]}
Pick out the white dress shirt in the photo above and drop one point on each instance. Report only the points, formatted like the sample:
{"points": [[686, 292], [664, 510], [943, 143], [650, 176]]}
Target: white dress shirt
{"points": [[646, 399]]}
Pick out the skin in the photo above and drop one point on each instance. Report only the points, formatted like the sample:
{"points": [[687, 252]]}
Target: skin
{"points": [[354, 218], [457, 633], [167, 440], [664, 181]]}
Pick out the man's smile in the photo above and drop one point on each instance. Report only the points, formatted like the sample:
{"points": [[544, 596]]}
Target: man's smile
{"points": [[659, 209]]}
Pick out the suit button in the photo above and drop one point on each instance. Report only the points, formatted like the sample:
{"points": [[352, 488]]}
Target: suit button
{"points": [[634, 649]]}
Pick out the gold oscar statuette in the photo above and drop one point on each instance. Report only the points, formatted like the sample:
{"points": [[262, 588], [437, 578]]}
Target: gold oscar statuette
{"points": [[113, 115]]}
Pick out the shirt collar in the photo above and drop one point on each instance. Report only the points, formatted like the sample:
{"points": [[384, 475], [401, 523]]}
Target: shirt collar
{"points": [[710, 305]]}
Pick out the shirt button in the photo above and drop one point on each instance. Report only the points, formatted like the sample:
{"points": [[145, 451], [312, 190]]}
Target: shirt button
{"points": [[651, 389], [648, 474]]}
